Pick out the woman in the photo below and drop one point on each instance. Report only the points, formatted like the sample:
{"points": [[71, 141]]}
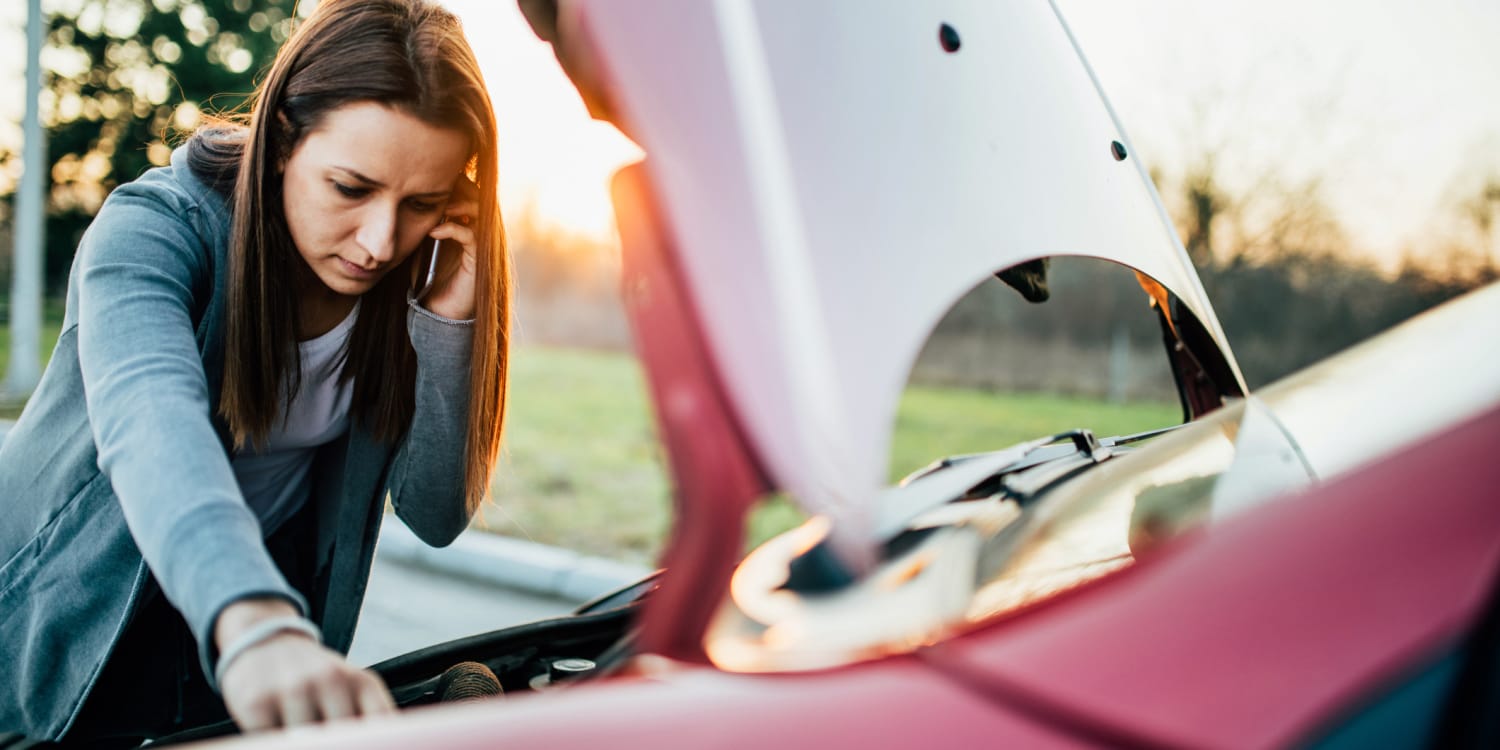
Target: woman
{"points": [[248, 366]]}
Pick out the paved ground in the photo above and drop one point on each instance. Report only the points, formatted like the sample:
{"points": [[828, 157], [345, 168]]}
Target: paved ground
{"points": [[407, 607]]}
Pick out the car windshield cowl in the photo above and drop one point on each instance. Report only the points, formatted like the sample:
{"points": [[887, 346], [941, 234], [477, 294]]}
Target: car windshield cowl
{"points": [[947, 480]]}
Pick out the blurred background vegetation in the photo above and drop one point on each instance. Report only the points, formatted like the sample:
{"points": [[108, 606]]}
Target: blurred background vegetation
{"points": [[127, 79]]}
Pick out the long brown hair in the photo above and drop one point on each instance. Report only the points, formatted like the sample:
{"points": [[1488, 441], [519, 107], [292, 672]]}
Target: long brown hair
{"points": [[410, 55]]}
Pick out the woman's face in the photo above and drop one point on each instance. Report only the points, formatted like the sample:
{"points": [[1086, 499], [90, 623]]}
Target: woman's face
{"points": [[362, 190]]}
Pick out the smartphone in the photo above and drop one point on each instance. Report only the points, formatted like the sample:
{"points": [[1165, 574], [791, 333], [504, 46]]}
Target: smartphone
{"points": [[426, 279]]}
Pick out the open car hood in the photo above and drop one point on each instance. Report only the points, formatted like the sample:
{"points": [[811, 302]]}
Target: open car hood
{"points": [[817, 193]]}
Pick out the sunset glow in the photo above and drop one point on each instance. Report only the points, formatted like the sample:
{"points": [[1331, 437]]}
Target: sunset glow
{"points": [[555, 161]]}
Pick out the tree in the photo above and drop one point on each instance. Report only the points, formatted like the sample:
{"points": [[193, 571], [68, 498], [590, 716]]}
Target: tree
{"points": [[1204, 202], [1480, 214], [125, 79]]}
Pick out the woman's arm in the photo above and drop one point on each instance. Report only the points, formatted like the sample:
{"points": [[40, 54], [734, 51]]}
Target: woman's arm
{"points": [[139, 267], [427, 475]]}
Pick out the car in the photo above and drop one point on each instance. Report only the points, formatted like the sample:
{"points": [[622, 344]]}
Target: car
{"points": [[1310, 564]]}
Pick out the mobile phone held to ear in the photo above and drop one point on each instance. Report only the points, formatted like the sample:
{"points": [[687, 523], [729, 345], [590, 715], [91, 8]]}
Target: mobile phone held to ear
{"points": [[431, 273]]}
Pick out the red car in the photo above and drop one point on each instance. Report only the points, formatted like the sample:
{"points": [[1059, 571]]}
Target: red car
{"points": [[1314, 564]]}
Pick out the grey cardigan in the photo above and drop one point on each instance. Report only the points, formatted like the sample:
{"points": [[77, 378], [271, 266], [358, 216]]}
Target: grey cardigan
{"points": [[116, 478]]}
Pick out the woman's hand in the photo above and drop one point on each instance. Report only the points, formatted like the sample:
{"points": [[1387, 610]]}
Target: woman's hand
{"points": [[290, 679], [452, 294]]}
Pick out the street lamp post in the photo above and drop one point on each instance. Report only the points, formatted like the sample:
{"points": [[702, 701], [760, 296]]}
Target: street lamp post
{"points": [[26, 271]]}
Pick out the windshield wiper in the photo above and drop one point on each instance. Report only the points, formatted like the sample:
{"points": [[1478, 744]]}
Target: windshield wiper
{"points": [[951, 478]]}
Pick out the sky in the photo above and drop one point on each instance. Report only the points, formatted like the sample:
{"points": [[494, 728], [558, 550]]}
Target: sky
{"points": [[1392, 107]]}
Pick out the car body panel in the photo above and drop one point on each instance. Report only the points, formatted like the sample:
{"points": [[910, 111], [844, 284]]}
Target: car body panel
{"points": [[1395, 389], [715, 476], [1255, 632], [821, 237], [896, 703]]}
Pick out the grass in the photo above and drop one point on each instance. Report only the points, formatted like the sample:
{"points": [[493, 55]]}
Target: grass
{"points": [[583, 469], [935, 422]]}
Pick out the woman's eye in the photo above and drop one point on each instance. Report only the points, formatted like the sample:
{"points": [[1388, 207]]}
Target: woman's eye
{"points": [[349, 191], [423, 206]]}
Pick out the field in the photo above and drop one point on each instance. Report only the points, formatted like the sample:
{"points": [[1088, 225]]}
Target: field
{"points": [[582, 467]]}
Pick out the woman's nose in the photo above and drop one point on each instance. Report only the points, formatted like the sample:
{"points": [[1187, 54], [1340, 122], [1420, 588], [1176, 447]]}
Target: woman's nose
{"points": [[377, 233]]}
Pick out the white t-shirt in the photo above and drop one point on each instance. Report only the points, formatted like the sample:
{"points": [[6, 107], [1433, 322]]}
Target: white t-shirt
{"points": [[276, 480]]}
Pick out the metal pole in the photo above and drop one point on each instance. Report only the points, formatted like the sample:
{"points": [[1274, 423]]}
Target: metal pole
{"points": [[26, 271]]}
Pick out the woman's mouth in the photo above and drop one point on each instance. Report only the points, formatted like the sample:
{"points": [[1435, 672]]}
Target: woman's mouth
{"points": [[356, 272]]}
